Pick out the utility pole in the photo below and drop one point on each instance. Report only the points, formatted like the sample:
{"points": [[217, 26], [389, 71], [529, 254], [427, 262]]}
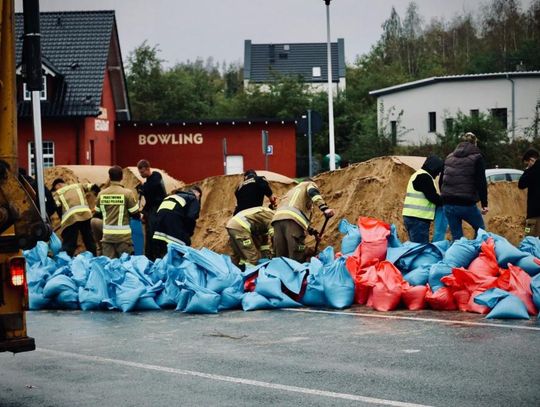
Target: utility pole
{"points": [[331, 141]]}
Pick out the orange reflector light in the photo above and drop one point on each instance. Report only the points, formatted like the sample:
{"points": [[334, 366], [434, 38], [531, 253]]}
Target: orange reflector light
{"points": [[16, 269]]}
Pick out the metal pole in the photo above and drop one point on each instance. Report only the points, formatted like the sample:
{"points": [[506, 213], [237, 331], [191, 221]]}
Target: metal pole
{"points": [[330, 93], [224, 145], [310, 154], [38, 152]]}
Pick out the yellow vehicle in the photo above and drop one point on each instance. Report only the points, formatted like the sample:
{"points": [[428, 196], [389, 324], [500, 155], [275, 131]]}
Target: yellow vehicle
{"points": [[20, 222]]}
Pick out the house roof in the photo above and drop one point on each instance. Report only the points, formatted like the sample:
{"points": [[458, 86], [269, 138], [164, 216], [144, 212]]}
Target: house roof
{"points": [[216, 122], [453, 78], [263, 61], [77, 45]]}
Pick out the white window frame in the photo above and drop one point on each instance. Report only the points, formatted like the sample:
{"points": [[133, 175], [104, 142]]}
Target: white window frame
{"points": [[48, 155], [316, 72], [27, 95]]}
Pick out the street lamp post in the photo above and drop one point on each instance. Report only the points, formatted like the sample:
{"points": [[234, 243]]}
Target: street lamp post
{"points": [[330, 93]]}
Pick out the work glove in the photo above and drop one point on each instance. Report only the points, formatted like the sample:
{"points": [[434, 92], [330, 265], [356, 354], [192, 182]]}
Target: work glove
{"points": [[95, 189], [312, 231], [328, 213], [273, 203]]}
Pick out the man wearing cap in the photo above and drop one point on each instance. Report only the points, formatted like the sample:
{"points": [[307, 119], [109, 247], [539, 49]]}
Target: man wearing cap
{"points": [[251, 192], [115, 205], [421, 200], [249, 232], [75, 214], [463, 185], [293, 217], [176, 219], [530, 179]]}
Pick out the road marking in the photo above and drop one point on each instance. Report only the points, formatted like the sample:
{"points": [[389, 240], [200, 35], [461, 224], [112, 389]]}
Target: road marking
{"points": [[445, 321], [230, 379]]}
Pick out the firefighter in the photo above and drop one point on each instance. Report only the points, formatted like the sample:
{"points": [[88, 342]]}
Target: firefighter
{"points": [[176, 219], [250, 232], [115, 205], [251, 192], [75, 214], [153, 191], [292, 220]]}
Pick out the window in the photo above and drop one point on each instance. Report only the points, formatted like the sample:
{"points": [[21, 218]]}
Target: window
{"points": [[449, 123], [432, 122], [48, 156], [393, 132], [502, 115], [42, 95], [316, 71], [286, 47], [475, 113]]}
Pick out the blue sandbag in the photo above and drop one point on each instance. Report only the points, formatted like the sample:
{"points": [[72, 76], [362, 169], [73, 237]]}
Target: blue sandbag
{"points": [[189, 271], [253, 301], [36, 300], [55, 244], [530, 244], [202, 300], [436, 272], [393, 254], [137, 236], [393, 239], [231, 298], [290, 272], [128, 292], [338, 284], [529, 264], [184, 295], [442, 245], [510, 307], [352, 238], [327, 256], [139, 266], [314, 295], [91, 296], [38, 254], [418, 276], [63, 290], [146, 303], [80, 268], [535, 288], [503, 304], [268, 286], [419, 256], [440, 225], [506, 252], [462, 252]]}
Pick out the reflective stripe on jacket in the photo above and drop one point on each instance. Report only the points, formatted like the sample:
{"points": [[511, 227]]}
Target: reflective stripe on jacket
{"points": [[416, 204], [74, 205], [254, 220]]}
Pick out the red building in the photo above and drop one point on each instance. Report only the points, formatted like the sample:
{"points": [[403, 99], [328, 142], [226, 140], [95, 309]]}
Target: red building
{"points": [[191, 151], [84, 90]]}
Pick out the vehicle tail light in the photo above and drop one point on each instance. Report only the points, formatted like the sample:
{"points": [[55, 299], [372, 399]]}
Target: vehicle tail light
{"points": [[17, 271]]}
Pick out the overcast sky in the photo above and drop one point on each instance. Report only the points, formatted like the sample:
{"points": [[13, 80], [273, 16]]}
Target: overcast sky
{"points": [[190, 29]]}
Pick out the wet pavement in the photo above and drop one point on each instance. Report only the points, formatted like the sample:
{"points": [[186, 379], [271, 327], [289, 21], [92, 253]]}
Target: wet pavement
{"points": [[296, 357]]}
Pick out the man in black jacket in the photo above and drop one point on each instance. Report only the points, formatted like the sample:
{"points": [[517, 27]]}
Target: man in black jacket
{"points": [[153, 191], [421, 200], [251, 192], [530, 179], [463, 185], [176, 219]]}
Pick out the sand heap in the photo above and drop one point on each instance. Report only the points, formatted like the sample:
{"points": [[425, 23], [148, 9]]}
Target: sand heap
{"points": [[375, 188]]}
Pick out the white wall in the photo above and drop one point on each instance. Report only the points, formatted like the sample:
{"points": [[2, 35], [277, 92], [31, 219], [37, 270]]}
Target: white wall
{"points": [[447, 98]]}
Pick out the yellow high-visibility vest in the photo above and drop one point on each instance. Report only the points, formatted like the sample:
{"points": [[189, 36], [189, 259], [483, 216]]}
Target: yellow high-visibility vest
{"points": [[416, 204]]}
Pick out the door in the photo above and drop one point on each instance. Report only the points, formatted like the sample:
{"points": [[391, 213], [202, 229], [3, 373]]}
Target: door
{"points": [[235, 164]]}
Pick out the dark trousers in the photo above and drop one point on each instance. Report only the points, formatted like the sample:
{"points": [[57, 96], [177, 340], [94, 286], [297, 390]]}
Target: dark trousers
{"points": [[417, 229], [289, 240], [71, 233], [458, 213], [149, 229]]}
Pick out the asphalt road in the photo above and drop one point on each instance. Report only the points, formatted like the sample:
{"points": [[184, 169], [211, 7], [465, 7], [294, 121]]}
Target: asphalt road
{"points": [[279, 358]]}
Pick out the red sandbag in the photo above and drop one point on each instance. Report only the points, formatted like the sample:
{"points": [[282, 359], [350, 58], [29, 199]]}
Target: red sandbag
{"points": [[441, 300], [474, 307], [363, 284], [486, 263], [249, 283], [386, 294], [374, 241], [414, 297], [461, 298], [473, 282], [516, 281], [372, 229], [372, 252]]}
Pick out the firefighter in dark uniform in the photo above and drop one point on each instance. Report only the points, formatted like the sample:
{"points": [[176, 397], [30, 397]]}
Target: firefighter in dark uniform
{"points": [[153, 191], [292, 220], [250, 232], [115, 205], [176, 219], [251, 192], [75, 214]]}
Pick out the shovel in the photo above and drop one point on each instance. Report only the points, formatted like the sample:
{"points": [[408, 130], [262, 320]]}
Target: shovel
{"points": [[318, 236]]}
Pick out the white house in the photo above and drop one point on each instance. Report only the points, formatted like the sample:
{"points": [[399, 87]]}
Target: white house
{"points": [[414, 112]]}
